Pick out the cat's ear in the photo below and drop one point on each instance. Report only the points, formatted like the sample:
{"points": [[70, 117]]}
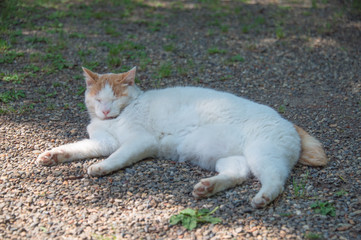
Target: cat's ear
{"points": [[130, 77], [90, 77]]}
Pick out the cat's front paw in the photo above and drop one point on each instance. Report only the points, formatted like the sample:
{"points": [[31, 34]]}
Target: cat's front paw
{"points": [[52, 157], [203, 189], [96, 171]]}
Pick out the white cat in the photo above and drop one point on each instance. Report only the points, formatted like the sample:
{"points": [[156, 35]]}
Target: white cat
{"points": [[215, 130]]}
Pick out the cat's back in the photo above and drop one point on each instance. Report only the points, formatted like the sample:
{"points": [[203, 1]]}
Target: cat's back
{"points": [[201, 104], [184, 96]]}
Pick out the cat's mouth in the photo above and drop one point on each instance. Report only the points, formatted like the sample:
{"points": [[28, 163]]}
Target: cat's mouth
{"points": [[109, 118]]}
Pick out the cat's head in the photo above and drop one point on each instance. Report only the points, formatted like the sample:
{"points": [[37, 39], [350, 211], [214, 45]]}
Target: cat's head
{"points": [[108, 94]]}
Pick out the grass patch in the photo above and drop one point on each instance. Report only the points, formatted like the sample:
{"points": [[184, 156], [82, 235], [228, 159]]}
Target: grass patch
{"points": [[11, 95], [164, 70], [36, 39], [32, 68], [81, 90], [56, 62], [124, 50], [10, 56]]}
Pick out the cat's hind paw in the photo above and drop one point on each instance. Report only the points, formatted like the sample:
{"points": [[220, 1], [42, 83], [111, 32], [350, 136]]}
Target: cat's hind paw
{"points": [[51, 157], [260, 201], [203, 189], [96, 171]]}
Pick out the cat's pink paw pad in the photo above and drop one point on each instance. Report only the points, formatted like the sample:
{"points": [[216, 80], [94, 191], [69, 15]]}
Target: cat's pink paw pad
{"points": [[260, 202], [96, 171], [203, 189], [51, 157]]}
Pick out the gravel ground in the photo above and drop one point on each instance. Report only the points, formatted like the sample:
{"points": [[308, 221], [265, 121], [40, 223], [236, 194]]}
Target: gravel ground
{"points": [[301, 57]]}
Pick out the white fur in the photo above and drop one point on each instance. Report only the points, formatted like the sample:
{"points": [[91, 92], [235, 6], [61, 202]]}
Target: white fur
{"points": [[215, 130]]}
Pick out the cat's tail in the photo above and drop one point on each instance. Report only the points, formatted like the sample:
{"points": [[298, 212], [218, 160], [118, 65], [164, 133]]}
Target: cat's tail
{"points": [[312, 153]]}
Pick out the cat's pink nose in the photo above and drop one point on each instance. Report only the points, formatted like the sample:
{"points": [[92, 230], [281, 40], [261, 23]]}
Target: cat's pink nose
{"points": [[106, 112]]}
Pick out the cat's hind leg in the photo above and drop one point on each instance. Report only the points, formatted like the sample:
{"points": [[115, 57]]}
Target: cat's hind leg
{"points": [[232, 171], [271, 166]]}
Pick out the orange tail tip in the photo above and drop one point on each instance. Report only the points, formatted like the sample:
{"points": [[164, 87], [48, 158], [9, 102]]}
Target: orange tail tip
{"points": [[312, 153]]}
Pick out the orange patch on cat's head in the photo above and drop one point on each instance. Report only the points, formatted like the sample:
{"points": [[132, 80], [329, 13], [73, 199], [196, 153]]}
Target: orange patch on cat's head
{"points": [[118, 82]]}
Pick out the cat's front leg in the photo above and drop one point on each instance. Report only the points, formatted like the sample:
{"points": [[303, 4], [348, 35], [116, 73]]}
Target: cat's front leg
{"points": [[133, 150], [87, 148], [52, 157]]}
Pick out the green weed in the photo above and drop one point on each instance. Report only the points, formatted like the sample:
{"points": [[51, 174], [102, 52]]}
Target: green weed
{"points": [[224, 28], [10, 56], [56, 84], [114, 61], [81, 90], [215, 50], [14, 78], [56, 61], [4, 45], [91, 64], [237, 58], [36, 39], [81, 106], [164, 70], [190, 218], [299, 188], [185, 68], [169, 47], [286, 214], [51, 94], [226, 77], [101, 237], [260, 20], [314, 4], [77, 35], [50, 106], [32, 68], [110, 30], [156, 26], [144, 61], [171, 36], [282, 109], [57, 14], [84, 53], [341, 193], [324, 208], [11, 95], [43, 229], [280, 32], [246, 28], [313, 236]]}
